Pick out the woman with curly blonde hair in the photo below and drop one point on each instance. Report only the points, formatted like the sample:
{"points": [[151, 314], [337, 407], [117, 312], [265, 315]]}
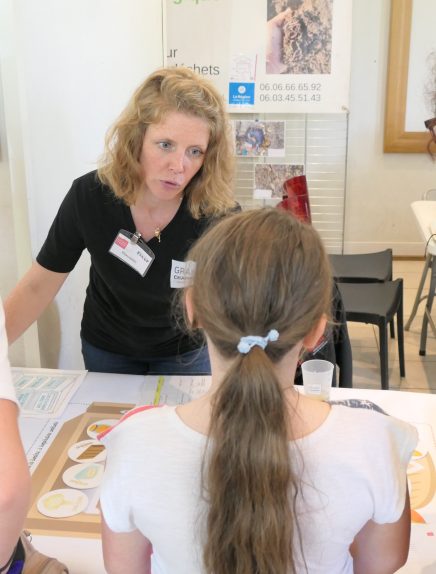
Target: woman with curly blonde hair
{"points": [[165, 174]]}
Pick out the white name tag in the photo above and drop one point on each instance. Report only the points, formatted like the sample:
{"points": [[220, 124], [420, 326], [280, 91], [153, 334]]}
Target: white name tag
{"points": [[182, 273], [135, 253]]}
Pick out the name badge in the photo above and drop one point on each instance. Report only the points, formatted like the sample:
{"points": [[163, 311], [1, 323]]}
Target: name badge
{"points": [[132, 250], [182, 273]]}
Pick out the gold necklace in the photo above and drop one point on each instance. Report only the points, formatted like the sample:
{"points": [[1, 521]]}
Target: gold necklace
{"points": [[157, 229]]}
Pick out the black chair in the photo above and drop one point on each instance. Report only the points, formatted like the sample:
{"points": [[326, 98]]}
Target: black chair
{"points": [[363, 268], [377, 304]]}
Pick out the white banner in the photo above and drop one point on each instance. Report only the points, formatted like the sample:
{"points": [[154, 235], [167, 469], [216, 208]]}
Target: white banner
{"points": [[266, 56]]}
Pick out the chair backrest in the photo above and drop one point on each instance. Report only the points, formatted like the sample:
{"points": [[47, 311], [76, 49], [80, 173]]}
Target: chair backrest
{"points": [[362, 267], [430, 194]]}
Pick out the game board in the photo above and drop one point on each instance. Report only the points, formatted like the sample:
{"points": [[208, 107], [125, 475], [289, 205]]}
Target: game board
{"points": [[49, 475]]}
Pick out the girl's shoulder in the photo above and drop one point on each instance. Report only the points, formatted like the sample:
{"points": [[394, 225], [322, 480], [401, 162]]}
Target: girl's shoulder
{"points": [[362, 424], [365, 422]]}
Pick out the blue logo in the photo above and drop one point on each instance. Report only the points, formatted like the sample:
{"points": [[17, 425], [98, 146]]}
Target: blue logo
{"points": [[241, 94]]}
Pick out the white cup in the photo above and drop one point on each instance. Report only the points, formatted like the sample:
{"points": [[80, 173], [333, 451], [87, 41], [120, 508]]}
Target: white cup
{"points": [[317, 378]]}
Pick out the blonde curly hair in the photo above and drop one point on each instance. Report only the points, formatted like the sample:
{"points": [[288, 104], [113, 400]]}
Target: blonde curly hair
{"points": [[168, 90]]}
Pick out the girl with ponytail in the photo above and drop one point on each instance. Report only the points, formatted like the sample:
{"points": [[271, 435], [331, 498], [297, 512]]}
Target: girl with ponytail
{"points": [[254, 477]]}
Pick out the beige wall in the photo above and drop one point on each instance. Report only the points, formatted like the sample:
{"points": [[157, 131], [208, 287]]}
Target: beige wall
{"points": [[380, 187], [14, 227]]}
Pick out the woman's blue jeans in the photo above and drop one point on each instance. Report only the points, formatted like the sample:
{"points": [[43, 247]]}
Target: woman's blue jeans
{"points": [[190, 363]]}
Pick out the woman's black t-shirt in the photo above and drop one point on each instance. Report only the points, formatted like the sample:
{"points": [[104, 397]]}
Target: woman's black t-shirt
{"points": [[124, 313]]}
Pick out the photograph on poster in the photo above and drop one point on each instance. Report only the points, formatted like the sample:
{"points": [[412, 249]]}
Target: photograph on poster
{"points": [[259, 138], [299, 36], [269, 179]]}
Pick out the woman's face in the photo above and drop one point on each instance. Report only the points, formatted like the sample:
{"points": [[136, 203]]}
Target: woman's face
{"points": [[172, 153]]}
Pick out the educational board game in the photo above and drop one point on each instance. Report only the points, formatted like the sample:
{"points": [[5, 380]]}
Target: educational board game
{"points": [[65, 485]]}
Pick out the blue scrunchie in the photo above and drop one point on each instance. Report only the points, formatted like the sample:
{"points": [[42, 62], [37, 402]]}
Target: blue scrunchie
{"points": [[247, 343]]}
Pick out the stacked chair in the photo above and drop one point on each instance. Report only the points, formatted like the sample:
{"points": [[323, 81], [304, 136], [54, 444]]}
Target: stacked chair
{"points": [[371, 296]]}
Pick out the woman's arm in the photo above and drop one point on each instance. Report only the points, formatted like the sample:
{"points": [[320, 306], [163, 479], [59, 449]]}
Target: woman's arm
{"points": [[14, 473], [382, 548], [125, 551], [14, 481], [29, 298]]}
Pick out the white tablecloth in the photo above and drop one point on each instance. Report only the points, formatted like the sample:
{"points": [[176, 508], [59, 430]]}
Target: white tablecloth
{"points": [[84, 555]]}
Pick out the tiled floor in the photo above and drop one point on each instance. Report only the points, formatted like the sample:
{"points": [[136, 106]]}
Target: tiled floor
{"points": [[420, 371]]}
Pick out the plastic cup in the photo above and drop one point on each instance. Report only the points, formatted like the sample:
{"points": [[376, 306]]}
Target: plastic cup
{"points": [[317, 378]]}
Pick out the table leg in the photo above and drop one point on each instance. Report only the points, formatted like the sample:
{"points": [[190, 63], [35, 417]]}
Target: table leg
{"points": [[427, 313], [418, 298]]}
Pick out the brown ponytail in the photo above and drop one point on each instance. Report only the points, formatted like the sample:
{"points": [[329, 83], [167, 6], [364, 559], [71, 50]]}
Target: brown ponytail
{"points": [[248, 479]]}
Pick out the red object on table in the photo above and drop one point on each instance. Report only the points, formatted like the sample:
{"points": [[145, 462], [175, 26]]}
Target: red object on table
{"points": [[296, 198]]}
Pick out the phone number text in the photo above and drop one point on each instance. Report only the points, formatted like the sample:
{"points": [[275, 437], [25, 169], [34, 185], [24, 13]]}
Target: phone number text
{"points": [[290, 92]]}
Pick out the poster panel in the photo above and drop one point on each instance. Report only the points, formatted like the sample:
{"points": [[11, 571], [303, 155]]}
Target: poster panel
{"points": [[266, 56]]}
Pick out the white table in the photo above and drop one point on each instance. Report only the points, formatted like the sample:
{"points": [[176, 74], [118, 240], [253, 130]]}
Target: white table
{"points": [[83, 555], [425, 213]]}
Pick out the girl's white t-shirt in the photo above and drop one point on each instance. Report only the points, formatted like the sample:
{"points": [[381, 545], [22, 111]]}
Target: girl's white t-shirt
{"points": [[352, 469]]}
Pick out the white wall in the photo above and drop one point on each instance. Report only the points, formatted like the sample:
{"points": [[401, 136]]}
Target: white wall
{"points": [[380, 187], [14, 232], [77, 63], [8, 264]]}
